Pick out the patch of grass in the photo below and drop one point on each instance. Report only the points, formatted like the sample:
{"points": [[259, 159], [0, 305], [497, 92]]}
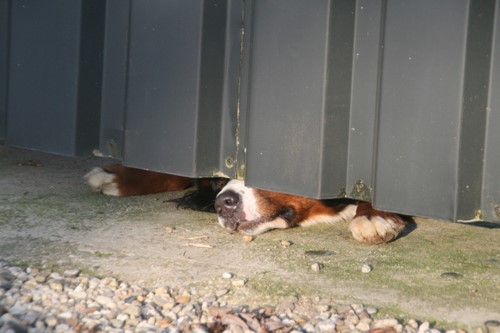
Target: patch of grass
{"points": [[102, 254], [90, 272], [266, 284], [46, 265]]}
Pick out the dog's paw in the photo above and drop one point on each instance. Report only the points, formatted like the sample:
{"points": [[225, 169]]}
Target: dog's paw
{"points": [[375, 228], [102, 181]]}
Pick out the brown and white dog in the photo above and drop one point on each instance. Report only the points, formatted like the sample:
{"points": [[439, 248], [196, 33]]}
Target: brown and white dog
{"points": [[247, 210]]}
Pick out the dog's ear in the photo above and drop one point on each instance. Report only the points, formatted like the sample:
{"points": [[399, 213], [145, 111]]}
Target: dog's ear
{"points": [[218, 184], [203, 198]]}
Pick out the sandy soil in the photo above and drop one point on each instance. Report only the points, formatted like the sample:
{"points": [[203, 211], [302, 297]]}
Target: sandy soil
{"points": [[444, 272]]}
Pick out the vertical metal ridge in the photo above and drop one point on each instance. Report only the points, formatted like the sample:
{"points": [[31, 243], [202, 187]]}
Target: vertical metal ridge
{"points": [[490, 196], [376, 125], [337, 99], [475, 102], [211, 83], [365, 97], [88, 109]]}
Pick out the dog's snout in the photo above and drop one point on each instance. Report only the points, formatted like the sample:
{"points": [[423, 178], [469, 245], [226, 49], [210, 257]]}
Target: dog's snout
{"points": [[226, 203]]}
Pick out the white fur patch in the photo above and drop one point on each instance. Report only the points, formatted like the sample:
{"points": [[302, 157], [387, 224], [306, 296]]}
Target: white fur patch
{"points": [[262, 227], [102, 181], [345, 215]]}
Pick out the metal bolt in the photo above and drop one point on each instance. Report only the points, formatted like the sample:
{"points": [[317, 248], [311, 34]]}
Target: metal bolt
{"points": [[229, 162]]}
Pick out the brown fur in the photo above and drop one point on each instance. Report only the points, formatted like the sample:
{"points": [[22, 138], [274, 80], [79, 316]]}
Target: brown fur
{"points": [[303, 208], [132, 181]]}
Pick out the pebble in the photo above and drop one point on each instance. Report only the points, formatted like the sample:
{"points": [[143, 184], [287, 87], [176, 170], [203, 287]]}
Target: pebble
{"points": [[424, 327], [105, 301], [51, 321], [366, 268], [363, 326], [239, 282], [493, 326], [413, 323], [227, 275], [41, 301], [183, 299], [316, 267], [326, 326], [71, 272], [388, 322], [248, 238], [221, 292]]}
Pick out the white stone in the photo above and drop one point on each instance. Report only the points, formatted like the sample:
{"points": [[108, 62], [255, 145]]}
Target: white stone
{"points": [[363, 326], [424, 326], [71, 272], [316, 267], [326, 326], [105, 301], [388, 322], [366, 268], [239, 282], [413, 323], [221, 292]]}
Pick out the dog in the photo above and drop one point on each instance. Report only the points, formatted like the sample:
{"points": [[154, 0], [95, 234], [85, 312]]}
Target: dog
{"points": [[247, 210]]}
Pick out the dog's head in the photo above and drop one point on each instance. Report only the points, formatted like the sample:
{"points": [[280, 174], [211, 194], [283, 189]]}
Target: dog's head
{"points": [[253, 211]]}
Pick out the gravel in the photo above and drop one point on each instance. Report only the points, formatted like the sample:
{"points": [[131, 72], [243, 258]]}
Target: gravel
{"points": [[34, 300]]}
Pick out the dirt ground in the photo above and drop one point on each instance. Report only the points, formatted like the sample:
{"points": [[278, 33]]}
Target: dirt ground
{"points": [[445, 272]]}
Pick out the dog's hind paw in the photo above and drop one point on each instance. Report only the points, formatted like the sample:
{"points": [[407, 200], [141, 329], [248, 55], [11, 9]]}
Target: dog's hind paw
{"points": [[102, 181]]}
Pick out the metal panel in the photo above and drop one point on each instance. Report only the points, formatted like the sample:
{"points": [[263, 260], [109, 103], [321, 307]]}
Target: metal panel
{"points": [[420, 106], [408, 133], [182, 86], [298, 96], [54, 75], [4, 33], [432, 101]]}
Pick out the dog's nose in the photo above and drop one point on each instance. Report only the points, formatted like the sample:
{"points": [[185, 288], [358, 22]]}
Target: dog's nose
{"points": [[226, 203]]}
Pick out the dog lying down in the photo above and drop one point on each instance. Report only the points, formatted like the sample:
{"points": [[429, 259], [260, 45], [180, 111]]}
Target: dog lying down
{"points": [[247, 210]]}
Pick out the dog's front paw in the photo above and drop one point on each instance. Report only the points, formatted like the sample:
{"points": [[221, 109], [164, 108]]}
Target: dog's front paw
{"points": [[375, 229], [102, 181], [371, 226]]}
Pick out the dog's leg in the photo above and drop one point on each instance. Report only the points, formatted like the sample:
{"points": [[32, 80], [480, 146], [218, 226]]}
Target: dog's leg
{"points": [[372, 226], [118, 180]]}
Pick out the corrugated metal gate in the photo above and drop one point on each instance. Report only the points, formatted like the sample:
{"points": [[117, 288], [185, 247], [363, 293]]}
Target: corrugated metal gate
{"points": [[389, 101]]}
